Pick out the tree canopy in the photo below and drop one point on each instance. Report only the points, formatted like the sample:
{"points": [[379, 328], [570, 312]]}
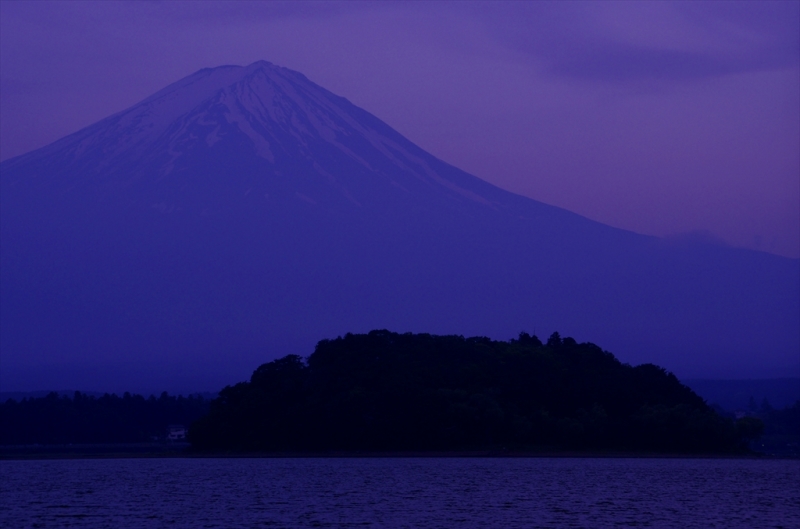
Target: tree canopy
{"points": [[83, 418], [384, 391]]}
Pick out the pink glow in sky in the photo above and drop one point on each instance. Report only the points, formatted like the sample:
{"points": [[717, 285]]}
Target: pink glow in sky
{"points": [[662, 118]]}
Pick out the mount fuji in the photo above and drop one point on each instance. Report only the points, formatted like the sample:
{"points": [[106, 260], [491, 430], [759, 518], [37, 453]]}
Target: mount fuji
{"points": [[244, 213]]}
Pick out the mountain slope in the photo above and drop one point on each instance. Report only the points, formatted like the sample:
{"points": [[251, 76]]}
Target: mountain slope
{"points": [[243, 213]]}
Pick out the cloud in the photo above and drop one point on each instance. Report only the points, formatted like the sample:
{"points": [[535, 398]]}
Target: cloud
{"points": [[233, 12], [662, 41], [611, 61]]}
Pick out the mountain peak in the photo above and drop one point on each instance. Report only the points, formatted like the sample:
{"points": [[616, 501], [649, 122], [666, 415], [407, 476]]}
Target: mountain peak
{"points": [[268, 121], [261, 65]]}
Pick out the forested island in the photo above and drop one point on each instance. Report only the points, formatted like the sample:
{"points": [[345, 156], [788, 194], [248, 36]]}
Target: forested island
{"points": [[385, 392], [389, 392]]}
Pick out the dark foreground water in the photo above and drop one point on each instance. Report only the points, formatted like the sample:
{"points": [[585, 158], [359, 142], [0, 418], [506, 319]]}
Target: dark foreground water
{"points": [[399, 492]]}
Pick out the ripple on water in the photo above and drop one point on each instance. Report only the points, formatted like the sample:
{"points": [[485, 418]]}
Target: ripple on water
{"points": [[400, 492]]}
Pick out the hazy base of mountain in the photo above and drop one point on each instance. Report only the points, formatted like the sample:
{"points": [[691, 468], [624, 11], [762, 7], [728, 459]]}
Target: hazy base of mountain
{"points": [[741, 395], [244, 213]]}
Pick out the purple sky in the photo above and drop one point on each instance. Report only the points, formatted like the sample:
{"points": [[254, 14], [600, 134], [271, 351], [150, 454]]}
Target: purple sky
{"points": [[662, 118]]}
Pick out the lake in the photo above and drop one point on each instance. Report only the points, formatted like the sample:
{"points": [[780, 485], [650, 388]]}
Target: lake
{"points": [[399, 492]]}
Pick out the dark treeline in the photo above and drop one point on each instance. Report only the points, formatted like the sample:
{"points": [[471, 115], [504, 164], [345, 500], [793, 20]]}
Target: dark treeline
{"points": [[82, 418], [781, 434], [403, 392]]}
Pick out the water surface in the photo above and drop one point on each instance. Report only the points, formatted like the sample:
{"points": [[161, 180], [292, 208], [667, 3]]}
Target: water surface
{"points": [[400, 492]]}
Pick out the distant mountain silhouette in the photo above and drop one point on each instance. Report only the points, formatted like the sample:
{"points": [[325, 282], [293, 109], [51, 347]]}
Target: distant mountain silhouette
{"points": [[243, 213]]}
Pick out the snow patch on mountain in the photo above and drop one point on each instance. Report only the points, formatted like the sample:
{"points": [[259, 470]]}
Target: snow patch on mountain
{"points": [[280, 113]]}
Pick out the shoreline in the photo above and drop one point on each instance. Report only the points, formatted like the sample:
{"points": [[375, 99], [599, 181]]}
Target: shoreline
{"points": [[183, 451]]}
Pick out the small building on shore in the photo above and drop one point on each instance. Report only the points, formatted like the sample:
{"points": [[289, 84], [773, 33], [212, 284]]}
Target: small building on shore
{"points": [[176, 432]]}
